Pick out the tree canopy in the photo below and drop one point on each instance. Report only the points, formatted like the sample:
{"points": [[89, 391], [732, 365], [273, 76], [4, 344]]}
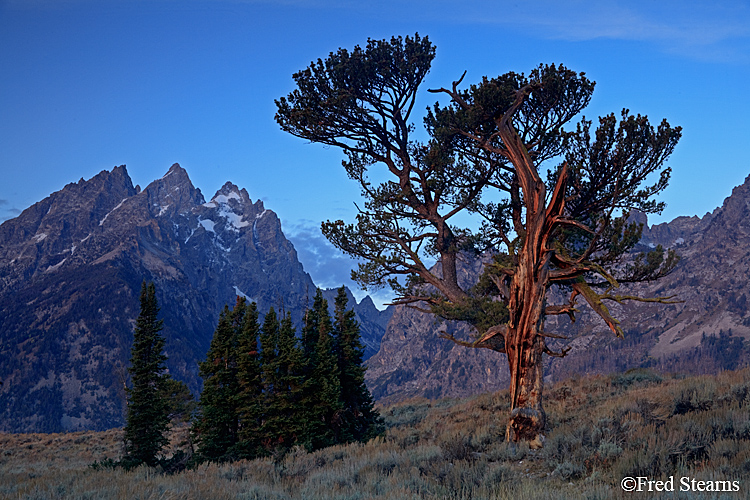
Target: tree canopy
{"points": [[551, 198]]}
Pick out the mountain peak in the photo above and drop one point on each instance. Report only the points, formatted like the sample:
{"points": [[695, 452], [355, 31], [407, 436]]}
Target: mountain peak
{"points": [[173, 191], [741, 191], [174, 168], [175, 175], [121, 171], [732, 217], [105, 179], [231, 191]]}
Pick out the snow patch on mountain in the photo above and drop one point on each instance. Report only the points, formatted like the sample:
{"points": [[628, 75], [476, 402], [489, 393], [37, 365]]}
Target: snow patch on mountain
{"points": [[223, 199], [101, 222], [56, 266], [207, 224], [242, 294], [220, 246], [234, 221]]}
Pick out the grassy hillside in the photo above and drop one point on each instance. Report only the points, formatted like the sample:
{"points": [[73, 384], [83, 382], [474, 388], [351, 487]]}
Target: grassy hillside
{"points": [[601, 430]]}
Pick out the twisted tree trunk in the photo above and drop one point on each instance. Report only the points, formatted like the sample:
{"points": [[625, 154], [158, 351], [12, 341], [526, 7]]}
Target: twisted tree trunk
{"points": [[524, 345]]}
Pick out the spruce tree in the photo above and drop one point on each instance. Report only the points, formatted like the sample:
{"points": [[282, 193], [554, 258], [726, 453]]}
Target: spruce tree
{"points": [[311, 330], [272, 426], [289, 384], [265, 390], [251, 406], [322, 391], [218, 424], [272, 382], [180, 402], [147, 417], [359, 420]]}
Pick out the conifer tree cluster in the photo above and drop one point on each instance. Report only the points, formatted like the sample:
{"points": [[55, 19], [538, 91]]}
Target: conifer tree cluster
{"points": [[266, 390]]}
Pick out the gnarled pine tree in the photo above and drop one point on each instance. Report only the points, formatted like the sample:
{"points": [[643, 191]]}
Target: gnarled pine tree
{"points": [[552, 203]]}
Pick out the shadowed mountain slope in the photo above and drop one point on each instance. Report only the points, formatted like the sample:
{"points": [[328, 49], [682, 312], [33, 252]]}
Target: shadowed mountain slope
{"points": [[71, 267]]}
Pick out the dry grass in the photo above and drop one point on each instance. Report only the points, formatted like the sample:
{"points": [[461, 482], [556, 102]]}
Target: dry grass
{"points": [[601, 429]]}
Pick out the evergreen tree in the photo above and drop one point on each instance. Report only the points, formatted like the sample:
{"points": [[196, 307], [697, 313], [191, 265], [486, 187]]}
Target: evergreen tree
{"points": [[218, 425], [180, 402], [550, 198], [289, 384], [272, 384], [148, 417], [359, 420], [265, 390], [271, 430], [251, 405], [322, 391], [311, 330]]}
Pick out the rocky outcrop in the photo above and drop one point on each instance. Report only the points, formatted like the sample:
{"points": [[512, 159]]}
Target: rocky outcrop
{"points": [[712, 280], [414, 361]]}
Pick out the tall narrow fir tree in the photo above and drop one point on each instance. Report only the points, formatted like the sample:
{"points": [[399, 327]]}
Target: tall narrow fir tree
{"points": [[250, 407], [359, 420], [217, 427], [271, 431], [147, 417], [322, 392]]}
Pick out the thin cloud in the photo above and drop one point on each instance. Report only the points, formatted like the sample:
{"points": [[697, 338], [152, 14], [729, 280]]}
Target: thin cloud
{"points": [[700, 30], [8, 213], [327, 265], [704, 30]]}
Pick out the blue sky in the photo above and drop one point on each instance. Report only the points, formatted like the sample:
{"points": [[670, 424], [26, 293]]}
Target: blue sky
{"points": [[86, 85]]}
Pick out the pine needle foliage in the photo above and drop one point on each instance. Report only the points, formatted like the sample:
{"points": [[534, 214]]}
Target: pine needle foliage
{"points": [[549, 199], [250, 407], [323, 386]]}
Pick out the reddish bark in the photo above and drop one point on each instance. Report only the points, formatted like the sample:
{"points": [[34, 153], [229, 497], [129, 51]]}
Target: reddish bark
{"points": [[524, 344]]}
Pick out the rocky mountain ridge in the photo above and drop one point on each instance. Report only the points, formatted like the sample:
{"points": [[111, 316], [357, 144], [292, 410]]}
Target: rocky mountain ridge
{"points": [[71, 268], [711, 281]]}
